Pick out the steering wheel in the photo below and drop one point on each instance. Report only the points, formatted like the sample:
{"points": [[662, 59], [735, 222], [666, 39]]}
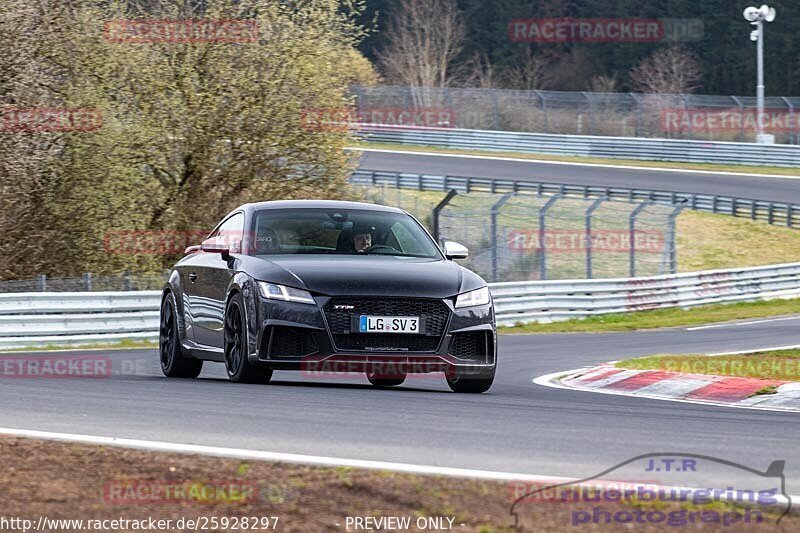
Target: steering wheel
{"points": [[375, 247]]}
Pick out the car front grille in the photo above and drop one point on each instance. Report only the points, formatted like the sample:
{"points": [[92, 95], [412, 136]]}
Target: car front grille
{"points": [[339, 315]]}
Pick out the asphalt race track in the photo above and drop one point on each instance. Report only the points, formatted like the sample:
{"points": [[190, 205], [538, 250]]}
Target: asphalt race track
{"points": [[751, 187], [516, 427]]}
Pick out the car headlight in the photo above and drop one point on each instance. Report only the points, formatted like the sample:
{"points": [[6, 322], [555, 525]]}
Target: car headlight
{"points": [[473, 298], [273, 291]]}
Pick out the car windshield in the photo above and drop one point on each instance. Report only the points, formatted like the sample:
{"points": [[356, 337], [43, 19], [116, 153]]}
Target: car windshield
{"points": [[340, 231]]}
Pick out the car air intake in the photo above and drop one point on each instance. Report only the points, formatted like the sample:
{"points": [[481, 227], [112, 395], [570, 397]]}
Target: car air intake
{"points": [[281, 342], [470, 346]]}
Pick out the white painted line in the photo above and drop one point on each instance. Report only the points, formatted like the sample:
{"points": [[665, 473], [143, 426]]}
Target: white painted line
{"points": [[749, 323], [551, 380], [240, 453], [773, 348], [571, 163]]}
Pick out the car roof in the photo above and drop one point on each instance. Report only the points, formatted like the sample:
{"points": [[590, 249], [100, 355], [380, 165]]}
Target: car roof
{"points": [[318, 204]]}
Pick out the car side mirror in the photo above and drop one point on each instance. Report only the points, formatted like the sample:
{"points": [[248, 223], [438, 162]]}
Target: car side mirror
{"points": [[216, 246], [192, 249], [454, 250]]}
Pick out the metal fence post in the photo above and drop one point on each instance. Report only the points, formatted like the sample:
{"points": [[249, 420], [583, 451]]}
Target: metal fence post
{"points": [[126, 281], [796, 133], [591, 111], [495, 211], [542, 239], [544, 109], [741, 114], [632, 231], [436, 210], [588, 235], [673, 249], [87, 280], [43, 282], [638, 126]]}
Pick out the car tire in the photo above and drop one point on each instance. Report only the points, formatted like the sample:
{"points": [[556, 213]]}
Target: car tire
{"points": [[469, 382], [381, 380], [173, 362], [235, 346]]}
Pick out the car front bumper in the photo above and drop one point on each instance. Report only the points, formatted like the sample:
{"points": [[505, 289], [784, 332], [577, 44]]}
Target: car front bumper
{"points": [[296, 336]]}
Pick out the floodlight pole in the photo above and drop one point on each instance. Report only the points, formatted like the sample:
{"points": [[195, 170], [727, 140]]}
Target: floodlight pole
{"points": [[760, 83]]}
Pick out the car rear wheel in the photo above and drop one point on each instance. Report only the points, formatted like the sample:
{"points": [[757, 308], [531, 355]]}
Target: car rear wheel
{"points": [[239, 368], [383, 380], [470, 382], [173, 363]]}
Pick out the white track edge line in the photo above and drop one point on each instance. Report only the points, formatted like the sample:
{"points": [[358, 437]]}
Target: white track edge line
{"points": [[792, 347], [315, 460], [296, 458], [574, 163], [550, 380]]}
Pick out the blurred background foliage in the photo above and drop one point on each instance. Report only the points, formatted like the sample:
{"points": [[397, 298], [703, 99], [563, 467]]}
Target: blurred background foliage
{"points": [[190, 130]]}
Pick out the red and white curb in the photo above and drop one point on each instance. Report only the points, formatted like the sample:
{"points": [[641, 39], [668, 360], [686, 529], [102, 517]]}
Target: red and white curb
{"points": [[692, 388]]}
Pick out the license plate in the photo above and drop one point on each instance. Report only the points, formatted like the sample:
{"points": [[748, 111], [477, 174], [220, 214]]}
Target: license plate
{"points": [[388, 324]]}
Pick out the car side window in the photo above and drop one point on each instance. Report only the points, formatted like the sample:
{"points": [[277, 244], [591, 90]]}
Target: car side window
{"points": [[232, 231], [407, 242]]}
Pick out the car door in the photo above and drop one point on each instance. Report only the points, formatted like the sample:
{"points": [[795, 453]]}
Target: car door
{"points": [[212, 275]]}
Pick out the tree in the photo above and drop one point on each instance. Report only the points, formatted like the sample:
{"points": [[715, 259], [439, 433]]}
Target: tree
{"points": [[671, 70], [531, 73], [190, 129], [422, 41]]}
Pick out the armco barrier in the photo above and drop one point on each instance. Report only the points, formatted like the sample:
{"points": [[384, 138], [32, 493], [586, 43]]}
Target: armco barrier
{"points": [[782, 155], [777, 213], [36, 319]]}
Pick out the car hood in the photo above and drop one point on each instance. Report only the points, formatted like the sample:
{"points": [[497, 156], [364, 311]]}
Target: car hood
{"points": [[372, 275]]}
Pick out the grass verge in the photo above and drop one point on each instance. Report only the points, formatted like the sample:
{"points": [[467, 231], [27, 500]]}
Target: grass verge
{"points": [[664, 318], [125, 344], [782, 365], [744, 169], [107, 483]]}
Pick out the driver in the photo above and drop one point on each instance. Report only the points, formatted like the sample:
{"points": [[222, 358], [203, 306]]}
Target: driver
{"points": [[362, 241], [362, 238]]}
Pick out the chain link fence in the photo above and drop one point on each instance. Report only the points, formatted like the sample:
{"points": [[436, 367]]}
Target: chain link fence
{"points": [[511, 237], [88, 282], [671, 116], [523, 236]]}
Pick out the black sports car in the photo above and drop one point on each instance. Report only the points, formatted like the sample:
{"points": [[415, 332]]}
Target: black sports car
{"points": [[327, 287]]}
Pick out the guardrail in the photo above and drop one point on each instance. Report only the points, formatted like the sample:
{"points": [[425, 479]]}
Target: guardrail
{"points": [[64, 318], [686, 151], [38, 319], [549, 301], [771, 212]]}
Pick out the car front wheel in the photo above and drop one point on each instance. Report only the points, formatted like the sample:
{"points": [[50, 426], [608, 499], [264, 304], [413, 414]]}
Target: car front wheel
{"points": [[470, 381], [240, 370]]}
